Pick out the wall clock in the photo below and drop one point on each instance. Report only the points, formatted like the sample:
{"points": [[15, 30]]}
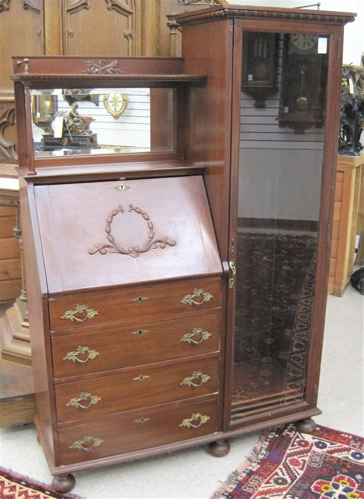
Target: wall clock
{"points": [[304, 80], [259, 65], [302, 42]]}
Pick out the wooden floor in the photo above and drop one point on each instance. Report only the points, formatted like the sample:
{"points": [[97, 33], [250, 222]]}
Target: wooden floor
{"points": [[17, 400]]}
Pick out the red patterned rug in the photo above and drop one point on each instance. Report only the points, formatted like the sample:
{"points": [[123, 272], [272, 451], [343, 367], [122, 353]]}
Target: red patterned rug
{"points": [[287, 464], [15, 486]]}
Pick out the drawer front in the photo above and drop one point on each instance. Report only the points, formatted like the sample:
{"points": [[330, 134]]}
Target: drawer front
{"points": [[137, 430], [130, 303], [104, 350], [144, 386]]}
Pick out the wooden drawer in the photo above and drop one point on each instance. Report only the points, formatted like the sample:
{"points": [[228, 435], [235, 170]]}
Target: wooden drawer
{"points": [[135, 345], [132, 389], [137, 430], [130, 303]]}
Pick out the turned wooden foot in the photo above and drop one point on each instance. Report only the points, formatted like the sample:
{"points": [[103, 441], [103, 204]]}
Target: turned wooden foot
{"points": [[63, 483], [306, 426], [220, 448]]}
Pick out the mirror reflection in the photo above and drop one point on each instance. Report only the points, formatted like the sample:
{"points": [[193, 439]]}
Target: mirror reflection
{"points": [[101, 121]]}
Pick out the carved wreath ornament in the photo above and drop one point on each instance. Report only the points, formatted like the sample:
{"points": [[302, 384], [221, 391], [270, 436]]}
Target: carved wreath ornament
{"points": [[134, 251]]}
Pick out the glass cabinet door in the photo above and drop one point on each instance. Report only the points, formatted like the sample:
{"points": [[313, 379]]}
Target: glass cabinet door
{"points": [[282, 115]]}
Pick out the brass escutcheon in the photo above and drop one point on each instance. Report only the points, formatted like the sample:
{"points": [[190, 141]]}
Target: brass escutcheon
{"points": [[190, 337], [76, 402], [189, 381], [198, 293], [87, 443], [199, 418], [141, 378], [121, 187], [139, 299], [142, 420], [71, 314], [139, 332], [73, 356]]}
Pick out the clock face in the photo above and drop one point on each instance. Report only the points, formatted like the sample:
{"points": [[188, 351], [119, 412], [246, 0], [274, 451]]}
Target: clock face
{"points": [[303, 41]]}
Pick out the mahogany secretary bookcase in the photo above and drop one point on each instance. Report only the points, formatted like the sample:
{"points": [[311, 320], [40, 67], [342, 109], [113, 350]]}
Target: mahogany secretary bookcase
{"points": [[176, 217]]}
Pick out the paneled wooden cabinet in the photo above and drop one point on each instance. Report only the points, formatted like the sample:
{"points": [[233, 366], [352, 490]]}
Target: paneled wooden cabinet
{"points": [[179, 262]]}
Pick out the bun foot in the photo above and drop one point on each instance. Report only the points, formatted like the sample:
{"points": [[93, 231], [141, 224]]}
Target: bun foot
{"points": [[220, 448], [63, 483], [306, 426]]}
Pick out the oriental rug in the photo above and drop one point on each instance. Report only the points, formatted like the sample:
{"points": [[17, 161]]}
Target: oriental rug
{"points": [[15, 486], [287, 464]]}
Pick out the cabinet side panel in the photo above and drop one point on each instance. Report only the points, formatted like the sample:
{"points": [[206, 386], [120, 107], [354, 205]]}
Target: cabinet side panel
{"points": [[209, 124], [38, 318]]}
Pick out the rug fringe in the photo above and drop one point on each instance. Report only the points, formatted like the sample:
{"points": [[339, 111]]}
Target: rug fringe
{"points": [[231, 479]]}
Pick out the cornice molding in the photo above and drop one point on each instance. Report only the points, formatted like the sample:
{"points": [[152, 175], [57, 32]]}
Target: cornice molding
{"points": [[227, 12]]}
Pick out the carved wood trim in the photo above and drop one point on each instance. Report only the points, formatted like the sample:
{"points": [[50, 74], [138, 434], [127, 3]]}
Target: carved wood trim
{"points": [[134, 251], [77, 5], [7, 148], [102, 67], [247, 13], [121, 7], [33, 5], [4, 5], [128, 9]]}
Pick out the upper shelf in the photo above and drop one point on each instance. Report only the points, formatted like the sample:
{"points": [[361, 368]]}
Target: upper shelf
{"points": [[101, 71], [98, 110]]}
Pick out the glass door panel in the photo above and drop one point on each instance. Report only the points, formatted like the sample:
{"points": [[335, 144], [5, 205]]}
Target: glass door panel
{"points": [[279, 190]]}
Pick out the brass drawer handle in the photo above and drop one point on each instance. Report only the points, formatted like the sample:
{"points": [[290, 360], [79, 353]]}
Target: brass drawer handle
{"points": [[141, 378], [87, 443], [91, 354], [76, 402], [199, 418], [79, 309], [190, 337], [189, 381], [198, 293]]}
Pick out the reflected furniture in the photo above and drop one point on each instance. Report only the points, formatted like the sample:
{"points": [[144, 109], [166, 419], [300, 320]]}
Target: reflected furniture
{"points": [[348, 200], [178, 292]]}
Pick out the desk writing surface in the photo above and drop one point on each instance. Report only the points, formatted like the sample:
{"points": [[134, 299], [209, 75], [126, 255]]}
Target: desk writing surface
{"points": [[100, 234]]}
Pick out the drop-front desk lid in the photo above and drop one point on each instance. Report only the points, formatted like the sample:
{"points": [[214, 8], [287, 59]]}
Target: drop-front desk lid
{"points": [[110, 233]]}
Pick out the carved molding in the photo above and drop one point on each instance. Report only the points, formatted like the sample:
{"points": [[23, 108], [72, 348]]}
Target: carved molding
{"points": [[7, 148], [35, 5], [128, 9], [77, 5], [121, 7], [4, 5], [260, 12]]}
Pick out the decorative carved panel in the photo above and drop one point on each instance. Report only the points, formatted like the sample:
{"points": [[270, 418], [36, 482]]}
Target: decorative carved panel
{"points": [[116, 20], [77, 5], [4, 5], [21, 32], [7, 134], [36, 5]]}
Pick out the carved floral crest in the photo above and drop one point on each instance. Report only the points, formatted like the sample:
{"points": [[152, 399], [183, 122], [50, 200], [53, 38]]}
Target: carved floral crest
{"points": [[102, 67], [134, 251]]}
